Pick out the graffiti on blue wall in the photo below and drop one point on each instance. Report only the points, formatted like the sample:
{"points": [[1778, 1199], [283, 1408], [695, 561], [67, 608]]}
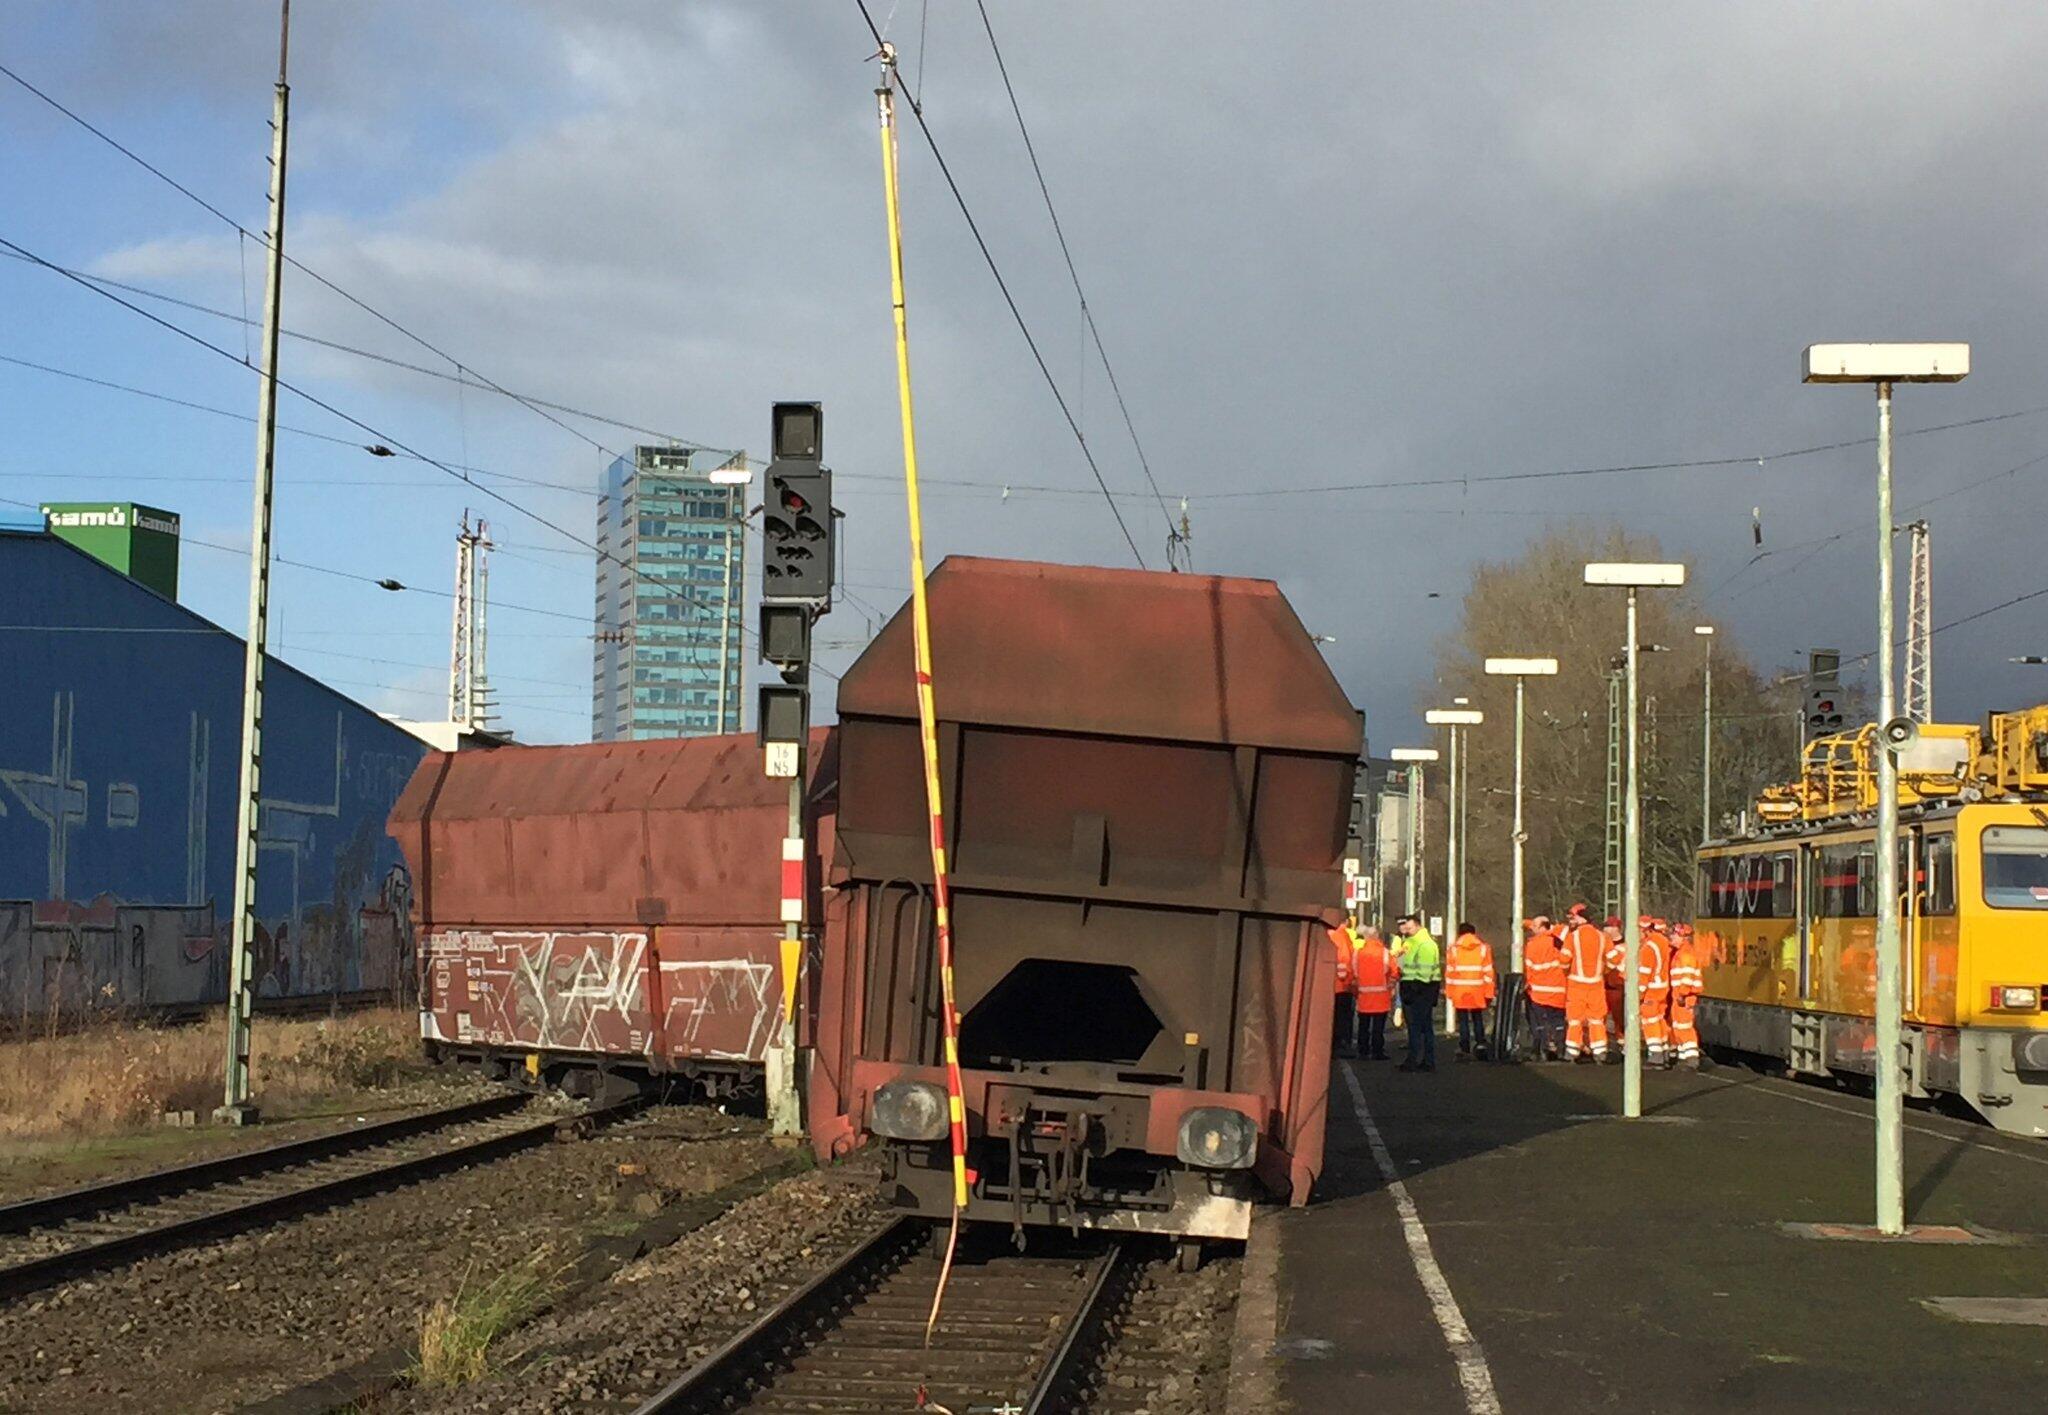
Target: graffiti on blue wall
{"points": [[119, 775]]}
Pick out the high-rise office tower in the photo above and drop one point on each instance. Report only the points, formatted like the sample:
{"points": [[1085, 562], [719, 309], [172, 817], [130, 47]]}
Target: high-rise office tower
{"points": [[671, 594]]}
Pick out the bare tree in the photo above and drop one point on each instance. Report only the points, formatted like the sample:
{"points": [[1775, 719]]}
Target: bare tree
{"points": [[1537, 605]]}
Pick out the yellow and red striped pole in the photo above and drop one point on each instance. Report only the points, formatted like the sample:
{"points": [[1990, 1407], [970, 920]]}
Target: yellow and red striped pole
{"points": [[927, 715]]}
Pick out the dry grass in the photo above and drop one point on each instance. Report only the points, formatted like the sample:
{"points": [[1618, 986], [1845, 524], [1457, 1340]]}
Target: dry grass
{"points": [[116, 1076], [457, 1333]]}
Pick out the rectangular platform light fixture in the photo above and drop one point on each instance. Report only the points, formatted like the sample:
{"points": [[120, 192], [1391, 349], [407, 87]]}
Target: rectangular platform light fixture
{"points": [[1414, 754], [1703, 630], [1635, 573], [1887, 363], [1521, 667], [1454, 717]]}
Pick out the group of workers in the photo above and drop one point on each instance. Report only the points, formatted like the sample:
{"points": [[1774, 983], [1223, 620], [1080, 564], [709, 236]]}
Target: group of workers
{"points": [[1572, 977]]}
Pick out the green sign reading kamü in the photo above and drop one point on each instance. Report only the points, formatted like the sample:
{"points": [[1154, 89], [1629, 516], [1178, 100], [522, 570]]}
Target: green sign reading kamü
{"points": [[139, 541]]}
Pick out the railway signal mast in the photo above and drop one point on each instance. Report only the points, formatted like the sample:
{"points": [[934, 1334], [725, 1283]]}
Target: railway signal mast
{"points": [[1884, 365], [797, 530]]}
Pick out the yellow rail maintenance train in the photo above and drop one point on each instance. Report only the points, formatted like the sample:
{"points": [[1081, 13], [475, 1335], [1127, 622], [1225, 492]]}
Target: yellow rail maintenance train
{"points": [[1786, 917]]}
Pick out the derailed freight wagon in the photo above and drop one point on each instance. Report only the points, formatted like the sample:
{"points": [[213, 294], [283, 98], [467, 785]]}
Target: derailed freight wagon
{"points": [[1146, 780], [605, 914]]}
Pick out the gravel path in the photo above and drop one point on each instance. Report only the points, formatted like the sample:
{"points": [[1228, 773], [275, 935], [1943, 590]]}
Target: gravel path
{"points": [[214, 1327], [1171, 1353], [654, 1318]]}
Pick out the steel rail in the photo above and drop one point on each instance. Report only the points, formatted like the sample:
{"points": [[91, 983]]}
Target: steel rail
{"points": [[801, 1324], [46, 1209], [277, 1161]]}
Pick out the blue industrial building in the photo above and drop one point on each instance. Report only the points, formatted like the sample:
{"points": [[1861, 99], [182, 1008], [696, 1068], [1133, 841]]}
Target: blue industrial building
{"points": [[120, 726]]}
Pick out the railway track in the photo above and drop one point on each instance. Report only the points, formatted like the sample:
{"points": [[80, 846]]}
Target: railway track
{"points": [[1017, 1333], [58, 1237]]}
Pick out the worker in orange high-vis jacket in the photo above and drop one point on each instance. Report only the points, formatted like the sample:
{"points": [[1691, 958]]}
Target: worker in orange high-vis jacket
{"points": [[1344, 1019], [1585, 987], [1375, 972], [1687, 982], [1653, 984], [1469, 985], [1611, 979], [1543, 975]]}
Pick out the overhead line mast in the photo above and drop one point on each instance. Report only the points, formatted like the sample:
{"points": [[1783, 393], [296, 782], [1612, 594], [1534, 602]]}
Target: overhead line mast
{"points": [[236, 1107]]}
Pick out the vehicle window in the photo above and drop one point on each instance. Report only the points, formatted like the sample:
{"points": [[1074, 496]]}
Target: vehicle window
{"points": [[1781, 886], [1845, 881], [2015, 867], [1932, 875]]}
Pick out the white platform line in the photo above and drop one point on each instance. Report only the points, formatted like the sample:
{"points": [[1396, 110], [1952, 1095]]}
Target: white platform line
{"points": [[1766, 1087], [1473, 1373]]}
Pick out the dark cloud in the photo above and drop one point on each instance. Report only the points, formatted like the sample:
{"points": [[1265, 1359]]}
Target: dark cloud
{"points": [[1324, 244]]}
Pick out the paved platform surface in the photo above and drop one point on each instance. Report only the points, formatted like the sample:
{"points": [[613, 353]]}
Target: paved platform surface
{"points": [[1653, 1265]]}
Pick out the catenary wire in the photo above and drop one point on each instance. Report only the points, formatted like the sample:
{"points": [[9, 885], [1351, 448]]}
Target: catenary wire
{"points": [[391, 440], [244, 233], [1066, 254], [988, 256]]}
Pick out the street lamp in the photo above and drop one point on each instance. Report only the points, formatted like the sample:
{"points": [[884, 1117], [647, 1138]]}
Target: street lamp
{"points": [[1454, 834], [1706, 633], [1884, 365], [1633, 576], [1521, 670], [1415, 757]]}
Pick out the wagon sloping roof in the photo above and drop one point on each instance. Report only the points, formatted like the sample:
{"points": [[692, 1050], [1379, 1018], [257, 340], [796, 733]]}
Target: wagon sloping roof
{"points": [[1121, 653], [675, 830]]}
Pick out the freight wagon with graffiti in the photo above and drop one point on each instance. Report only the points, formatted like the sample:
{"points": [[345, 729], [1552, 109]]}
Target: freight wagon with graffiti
{"points": [[606, 914]]}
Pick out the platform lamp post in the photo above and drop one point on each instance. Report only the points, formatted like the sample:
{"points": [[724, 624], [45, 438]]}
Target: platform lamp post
{"points": [[1884, 365], [1632, 576], [1457, 720], [1414, 757], [1706, 634], [1521, 670]]}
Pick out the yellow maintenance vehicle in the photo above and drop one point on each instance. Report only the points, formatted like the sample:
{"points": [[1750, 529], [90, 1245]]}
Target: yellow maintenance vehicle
{"points": [[1787, 928]]}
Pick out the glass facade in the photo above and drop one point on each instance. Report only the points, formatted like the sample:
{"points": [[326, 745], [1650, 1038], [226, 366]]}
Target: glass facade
{"points": [[668, 658]]}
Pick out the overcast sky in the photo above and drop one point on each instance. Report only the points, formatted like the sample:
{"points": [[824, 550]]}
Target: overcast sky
{"points": [[1325, 244]]}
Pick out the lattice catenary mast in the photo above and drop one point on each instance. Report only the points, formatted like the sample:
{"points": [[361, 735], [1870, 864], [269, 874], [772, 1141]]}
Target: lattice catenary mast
{"points": [[1919, 704], [469, 692]]}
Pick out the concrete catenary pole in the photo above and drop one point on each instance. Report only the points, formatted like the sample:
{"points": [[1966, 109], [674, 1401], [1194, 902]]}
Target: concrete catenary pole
{"points": [[1520, 836], [1706, 636], [1632, 900], [1891, 1153], [235, 1106]]}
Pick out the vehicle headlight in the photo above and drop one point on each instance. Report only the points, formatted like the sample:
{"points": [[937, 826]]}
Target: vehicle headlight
{"points": [[908, 1110], [2030, 1051], [1215, 1138], [2016, 999]]}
